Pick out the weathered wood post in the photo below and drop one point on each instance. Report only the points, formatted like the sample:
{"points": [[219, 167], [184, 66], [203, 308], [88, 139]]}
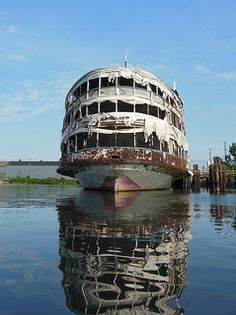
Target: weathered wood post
{"points": [[196, 178], [217, 175]]}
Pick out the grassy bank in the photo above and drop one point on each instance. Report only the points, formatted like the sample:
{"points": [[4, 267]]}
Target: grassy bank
{"points": [[41, 181]]}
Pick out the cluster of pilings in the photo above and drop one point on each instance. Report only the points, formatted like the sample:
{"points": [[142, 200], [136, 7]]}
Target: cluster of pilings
{"points": [[217, 175], [217, 179]]}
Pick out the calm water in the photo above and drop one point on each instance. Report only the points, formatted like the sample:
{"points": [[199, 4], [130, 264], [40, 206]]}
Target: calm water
{"points": [[64, 250]]}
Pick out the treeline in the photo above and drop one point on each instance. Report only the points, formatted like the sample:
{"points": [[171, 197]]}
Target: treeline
{"points": [[42, 181]]}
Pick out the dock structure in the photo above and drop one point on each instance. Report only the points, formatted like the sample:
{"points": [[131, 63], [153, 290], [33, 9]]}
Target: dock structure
{"points": [[217, 175]]}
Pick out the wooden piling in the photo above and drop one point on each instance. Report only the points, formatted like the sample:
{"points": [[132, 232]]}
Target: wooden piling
{"points": [[196, 178], [217, 175]]}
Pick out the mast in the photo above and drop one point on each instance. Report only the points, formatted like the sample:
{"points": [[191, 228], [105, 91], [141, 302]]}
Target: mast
{"points": [[126, 58]]}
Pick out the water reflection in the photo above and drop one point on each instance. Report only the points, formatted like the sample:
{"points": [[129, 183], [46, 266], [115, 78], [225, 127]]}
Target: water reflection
{"points": [[124, 253]]}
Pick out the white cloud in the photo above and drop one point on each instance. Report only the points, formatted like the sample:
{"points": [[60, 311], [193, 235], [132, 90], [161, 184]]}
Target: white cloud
{"points": [[200, 69], [11, 28], [161, 67], [225, 76], [32, 98], [12, 56]]}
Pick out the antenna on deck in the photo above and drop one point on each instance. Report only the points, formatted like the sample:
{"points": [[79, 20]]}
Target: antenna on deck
{"points": [[126, 57]]}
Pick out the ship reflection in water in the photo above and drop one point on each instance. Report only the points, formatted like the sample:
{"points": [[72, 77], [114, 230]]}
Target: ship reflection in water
{"points": [[124, 253]]}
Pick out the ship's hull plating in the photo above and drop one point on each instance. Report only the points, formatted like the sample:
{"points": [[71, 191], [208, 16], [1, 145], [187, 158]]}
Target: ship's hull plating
{"points": [[123, 169], [125, 178]]}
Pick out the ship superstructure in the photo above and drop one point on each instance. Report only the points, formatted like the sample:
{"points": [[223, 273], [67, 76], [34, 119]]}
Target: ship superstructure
{"points": [[123, 130]]}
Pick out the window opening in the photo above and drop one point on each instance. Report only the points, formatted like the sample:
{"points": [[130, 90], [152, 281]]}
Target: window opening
{"points": [[162, 113], [106, 140], [93, 84], [125, 107], [105, 82], [77, 114], [107, 106], [125, 139], [81, 140], [83, 111], [160, 92], [84, 88], [92, 140], [153, 111], [140, 140], [153, 88], [72, 143], [93, 108], [164, 146], [141, 108], [155, 141], [125, 82], [140, 86]]}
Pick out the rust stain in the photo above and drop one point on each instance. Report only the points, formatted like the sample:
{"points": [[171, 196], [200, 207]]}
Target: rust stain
{"points": [[157, 161]]}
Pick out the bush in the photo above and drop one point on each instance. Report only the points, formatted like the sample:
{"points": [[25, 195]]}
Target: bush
{"points": [[42, 181]]}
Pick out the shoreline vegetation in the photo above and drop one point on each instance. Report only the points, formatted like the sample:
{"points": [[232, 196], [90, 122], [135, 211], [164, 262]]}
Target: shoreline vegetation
{"points": [[39, 181]]}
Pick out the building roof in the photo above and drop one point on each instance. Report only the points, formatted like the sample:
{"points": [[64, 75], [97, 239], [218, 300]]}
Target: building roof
{"points": [[29, 162], [3, 163]]}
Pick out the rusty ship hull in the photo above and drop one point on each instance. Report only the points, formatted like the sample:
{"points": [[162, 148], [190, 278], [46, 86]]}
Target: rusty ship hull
{"points": [[123, 169], [123, 130]]}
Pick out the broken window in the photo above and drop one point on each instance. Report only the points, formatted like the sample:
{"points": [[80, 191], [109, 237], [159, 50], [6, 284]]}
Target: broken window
{"points": [[64, 149], [160, 92], [93, 108], [125, 139], [155, 141], [105, 82], [153, 111], [140, 86], [164, 146], [69, 117], [83, 111], [84, 88], [125, 82], [107, 106], [153, 88], [172, 101], [92, 140], [93, 84], [106, 140], [125, 107], [72, 144], [180, 126], [77, 92], [141, 108], [77, 114], [74, 95], [162, 113], [140, 139], [81, 140]]}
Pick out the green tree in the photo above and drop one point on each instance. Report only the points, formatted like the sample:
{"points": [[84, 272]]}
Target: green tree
{"points": [[232, 150]]}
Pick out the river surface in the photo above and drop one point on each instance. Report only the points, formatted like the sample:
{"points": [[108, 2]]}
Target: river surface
{"points": [[64, 250]]}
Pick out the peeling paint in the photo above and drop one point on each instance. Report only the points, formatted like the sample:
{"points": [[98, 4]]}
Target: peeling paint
{"points": [[162, 129]]}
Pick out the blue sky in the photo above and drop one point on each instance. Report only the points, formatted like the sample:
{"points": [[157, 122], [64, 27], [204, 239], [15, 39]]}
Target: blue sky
{"points": [[46, 45]]}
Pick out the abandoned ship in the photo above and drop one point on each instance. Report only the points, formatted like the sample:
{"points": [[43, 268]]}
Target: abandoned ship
{"points": [[123, 130]]}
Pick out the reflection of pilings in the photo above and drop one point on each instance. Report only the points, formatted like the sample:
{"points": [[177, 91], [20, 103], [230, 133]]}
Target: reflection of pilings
{"points": [[217, 175]]}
